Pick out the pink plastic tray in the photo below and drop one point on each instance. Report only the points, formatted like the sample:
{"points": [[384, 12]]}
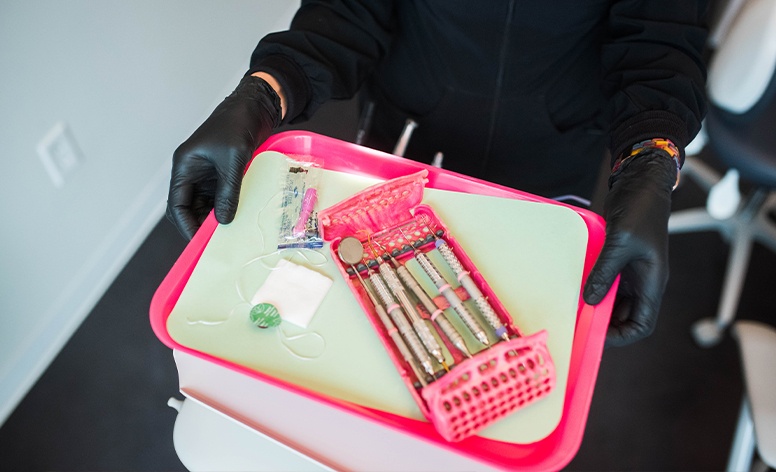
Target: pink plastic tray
{"points": [[551, 453]]}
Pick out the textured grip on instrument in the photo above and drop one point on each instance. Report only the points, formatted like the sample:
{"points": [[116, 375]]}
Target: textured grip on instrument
{"points": [[429, 269], [452, 298], [401, 323], [449, 257], [421, 328], [468, 284], [398, 341], [488, 312], [437, 316]]}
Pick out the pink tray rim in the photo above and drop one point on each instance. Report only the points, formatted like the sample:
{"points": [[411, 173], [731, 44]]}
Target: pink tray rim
{"points": [[551, 453]]}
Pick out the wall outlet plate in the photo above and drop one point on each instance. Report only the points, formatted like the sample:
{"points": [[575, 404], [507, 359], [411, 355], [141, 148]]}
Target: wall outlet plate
{"points": [[59, 153]]}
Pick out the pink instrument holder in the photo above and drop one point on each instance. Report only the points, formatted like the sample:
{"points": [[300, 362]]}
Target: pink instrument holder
{"points": [[477, 391]]}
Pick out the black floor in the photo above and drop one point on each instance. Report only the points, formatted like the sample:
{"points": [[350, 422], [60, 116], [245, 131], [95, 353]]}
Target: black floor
{"points": [[101, 405], [661, 404]]}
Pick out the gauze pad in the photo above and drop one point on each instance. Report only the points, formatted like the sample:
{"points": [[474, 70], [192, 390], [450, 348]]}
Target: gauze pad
{"points": [[294, 290]]}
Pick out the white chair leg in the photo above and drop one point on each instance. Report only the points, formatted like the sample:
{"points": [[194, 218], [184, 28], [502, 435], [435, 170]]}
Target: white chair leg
{"points": [[695, 219], [738, 263], [708, 332], [740, 459]]}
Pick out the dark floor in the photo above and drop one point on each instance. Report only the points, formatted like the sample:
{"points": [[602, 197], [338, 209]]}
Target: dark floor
{"points": [[661, 404]]}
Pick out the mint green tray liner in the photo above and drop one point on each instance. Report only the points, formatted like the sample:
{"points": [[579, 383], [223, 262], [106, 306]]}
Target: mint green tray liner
{"points": [[531, 254]]}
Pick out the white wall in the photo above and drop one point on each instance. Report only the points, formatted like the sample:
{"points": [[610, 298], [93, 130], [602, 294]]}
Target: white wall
{"points": [[131, 79]]}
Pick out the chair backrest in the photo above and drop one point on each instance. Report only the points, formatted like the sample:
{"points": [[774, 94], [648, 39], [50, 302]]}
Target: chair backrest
{"points": [[741, 121], [745, 61]]}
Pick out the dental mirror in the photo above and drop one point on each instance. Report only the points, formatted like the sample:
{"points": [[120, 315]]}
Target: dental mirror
{"points": [[350, 251]]}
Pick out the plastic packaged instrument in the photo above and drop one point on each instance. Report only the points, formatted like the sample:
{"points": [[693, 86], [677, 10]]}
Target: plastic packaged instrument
{"points": [[476, 367], [299, 194]]}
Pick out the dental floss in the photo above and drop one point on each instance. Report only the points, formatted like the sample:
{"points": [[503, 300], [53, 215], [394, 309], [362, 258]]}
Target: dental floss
{"points": [[285, 337]]}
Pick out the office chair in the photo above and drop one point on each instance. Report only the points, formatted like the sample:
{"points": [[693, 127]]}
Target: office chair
{"points": [[756, 429], [740, 130]]}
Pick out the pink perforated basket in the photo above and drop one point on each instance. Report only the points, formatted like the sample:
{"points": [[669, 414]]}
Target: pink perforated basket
{"points": [[490, 386]]}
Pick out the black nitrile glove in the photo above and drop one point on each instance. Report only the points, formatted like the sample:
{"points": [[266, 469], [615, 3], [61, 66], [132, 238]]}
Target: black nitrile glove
{"points": [[636, 210], [207, 169]]}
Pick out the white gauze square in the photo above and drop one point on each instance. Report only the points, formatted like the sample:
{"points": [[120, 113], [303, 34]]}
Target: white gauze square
{"points": [[295, 290]]}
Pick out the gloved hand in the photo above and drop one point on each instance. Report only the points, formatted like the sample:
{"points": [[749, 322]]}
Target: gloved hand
{"points": [[636, 211], [208, 168]]}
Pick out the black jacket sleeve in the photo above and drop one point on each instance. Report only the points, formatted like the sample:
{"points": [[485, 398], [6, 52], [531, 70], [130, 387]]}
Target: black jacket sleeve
{"points": [[330, 48], [654, 71]]}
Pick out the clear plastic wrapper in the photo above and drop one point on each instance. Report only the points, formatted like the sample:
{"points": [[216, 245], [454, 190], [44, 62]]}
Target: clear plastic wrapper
{"points": [[298, 215]]}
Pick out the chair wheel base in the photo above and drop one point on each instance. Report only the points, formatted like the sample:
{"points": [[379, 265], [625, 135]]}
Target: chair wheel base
{"points": [[707, 332]]}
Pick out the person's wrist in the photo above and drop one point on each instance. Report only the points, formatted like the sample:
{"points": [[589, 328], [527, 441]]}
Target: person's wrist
{"points": [[660, 146], [261, 100], [276, 87]]}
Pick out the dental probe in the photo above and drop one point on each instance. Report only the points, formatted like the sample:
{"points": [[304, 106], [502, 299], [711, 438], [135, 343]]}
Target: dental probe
{"points": [[394, 310], [350, 251], [452, 298], [424, 332], [466, 280], [437, 314]]}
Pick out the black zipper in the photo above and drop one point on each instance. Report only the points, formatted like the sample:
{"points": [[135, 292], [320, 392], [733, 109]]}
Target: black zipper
{"points": [[499, 82]]}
